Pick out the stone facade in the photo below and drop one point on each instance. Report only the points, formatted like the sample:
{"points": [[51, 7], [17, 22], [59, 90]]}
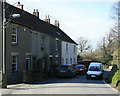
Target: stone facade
{"points": [[21, 49]]}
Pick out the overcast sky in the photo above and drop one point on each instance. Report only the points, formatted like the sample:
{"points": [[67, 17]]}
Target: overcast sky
{"points": [[86, 18]]}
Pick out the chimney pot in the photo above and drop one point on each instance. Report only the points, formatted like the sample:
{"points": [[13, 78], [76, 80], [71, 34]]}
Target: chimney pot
{"points": [[18, 2], [57, 24], [47, 19], [36, 10], [20, 6], [36, 13]]}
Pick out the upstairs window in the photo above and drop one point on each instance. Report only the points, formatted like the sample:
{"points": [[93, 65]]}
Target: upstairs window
{"points": [[42, 43], [74, 60], [14, 35], [74, 49], [57, 44], [66, 48], [66, 60], [14, 64], [62, 60]]}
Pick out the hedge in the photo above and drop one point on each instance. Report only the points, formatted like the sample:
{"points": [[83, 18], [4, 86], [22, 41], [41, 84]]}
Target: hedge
{"points": [[113, 76]]}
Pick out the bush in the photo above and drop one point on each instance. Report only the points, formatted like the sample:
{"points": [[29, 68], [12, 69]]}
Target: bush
{"points": [[110, 63], [113, 76]]}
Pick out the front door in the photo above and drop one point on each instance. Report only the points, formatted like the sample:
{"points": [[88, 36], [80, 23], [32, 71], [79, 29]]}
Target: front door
{"points": [[28, 64], [51, 66]]}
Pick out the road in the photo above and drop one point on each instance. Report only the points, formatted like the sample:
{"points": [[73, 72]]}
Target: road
{"points": [[77, 85]]}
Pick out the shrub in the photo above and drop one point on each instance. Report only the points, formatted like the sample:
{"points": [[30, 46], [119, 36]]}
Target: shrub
{"points": [[110, 63], [113, 75], [115, 78]]}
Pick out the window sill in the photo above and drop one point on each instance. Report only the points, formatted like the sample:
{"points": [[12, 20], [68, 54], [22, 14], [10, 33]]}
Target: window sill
{"points": [[14, 44]]}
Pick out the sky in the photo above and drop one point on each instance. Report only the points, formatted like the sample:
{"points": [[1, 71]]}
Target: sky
{"points": [[78, 18]]}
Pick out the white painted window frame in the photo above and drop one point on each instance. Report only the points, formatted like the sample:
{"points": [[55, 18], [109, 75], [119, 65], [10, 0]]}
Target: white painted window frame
{"points": [[66, 60], [57, 44], [43, 43], [74, 60], [16, 35], [74, 49], [66, 47], [15, 63], [57, 61]]}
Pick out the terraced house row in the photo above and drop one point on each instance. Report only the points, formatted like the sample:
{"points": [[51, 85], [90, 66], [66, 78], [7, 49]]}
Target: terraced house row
{"points": [[34, 47]]}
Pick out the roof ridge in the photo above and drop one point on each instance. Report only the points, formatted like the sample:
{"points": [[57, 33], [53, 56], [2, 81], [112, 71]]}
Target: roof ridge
{"points": [[47, 28]]}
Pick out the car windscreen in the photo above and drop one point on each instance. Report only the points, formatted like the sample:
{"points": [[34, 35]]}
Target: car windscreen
{"points": [[94, 68], [78, 66]]}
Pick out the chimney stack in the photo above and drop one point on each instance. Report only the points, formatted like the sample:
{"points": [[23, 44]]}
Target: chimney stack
{"points": [[57, 24], [47, 19], [20, 6], [36, 13]]}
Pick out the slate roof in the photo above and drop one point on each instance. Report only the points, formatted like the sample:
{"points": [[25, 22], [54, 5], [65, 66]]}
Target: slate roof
{"points": [[36, 24]]}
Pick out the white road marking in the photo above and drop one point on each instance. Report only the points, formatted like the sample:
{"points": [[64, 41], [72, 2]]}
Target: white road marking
{"points": [[110, 86]]}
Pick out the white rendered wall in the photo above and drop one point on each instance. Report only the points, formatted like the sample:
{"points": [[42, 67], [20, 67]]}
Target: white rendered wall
{"points": [[70, 54]]}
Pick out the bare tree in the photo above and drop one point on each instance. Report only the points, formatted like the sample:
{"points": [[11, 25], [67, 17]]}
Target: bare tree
{"points": [[83, 44], [115, 14], [111, 42]]}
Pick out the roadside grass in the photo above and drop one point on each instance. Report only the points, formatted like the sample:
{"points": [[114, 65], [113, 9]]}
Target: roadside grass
{"points": [[113, 76]]}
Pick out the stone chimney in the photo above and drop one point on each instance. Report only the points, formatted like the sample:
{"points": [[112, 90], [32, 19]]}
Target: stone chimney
{"points": [[57, 24], [36, 13], [47, 19], [20, 6]]}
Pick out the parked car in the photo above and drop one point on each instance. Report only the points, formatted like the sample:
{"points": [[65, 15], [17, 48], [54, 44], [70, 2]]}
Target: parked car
{"points": [[80, 69], [95, 70], [67, 70]]}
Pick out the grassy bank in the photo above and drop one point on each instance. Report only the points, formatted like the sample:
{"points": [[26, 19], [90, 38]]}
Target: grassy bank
{"points": [[113, 76]]}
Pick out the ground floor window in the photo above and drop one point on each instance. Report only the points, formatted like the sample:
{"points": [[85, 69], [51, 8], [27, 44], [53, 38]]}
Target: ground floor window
{"points": [[62, 61], [66, 60], [74, 60], [71, 60], [57, 61], [14, 63]]}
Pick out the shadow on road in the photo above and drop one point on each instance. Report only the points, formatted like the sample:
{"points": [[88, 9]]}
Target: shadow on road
{"points": [[77, 79]]}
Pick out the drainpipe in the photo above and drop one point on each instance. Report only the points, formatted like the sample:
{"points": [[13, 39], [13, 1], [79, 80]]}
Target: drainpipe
{"points": [[4, 74]]}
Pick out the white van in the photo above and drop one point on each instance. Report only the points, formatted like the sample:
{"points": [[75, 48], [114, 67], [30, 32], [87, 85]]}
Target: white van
{"points": [[95, 70]]}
